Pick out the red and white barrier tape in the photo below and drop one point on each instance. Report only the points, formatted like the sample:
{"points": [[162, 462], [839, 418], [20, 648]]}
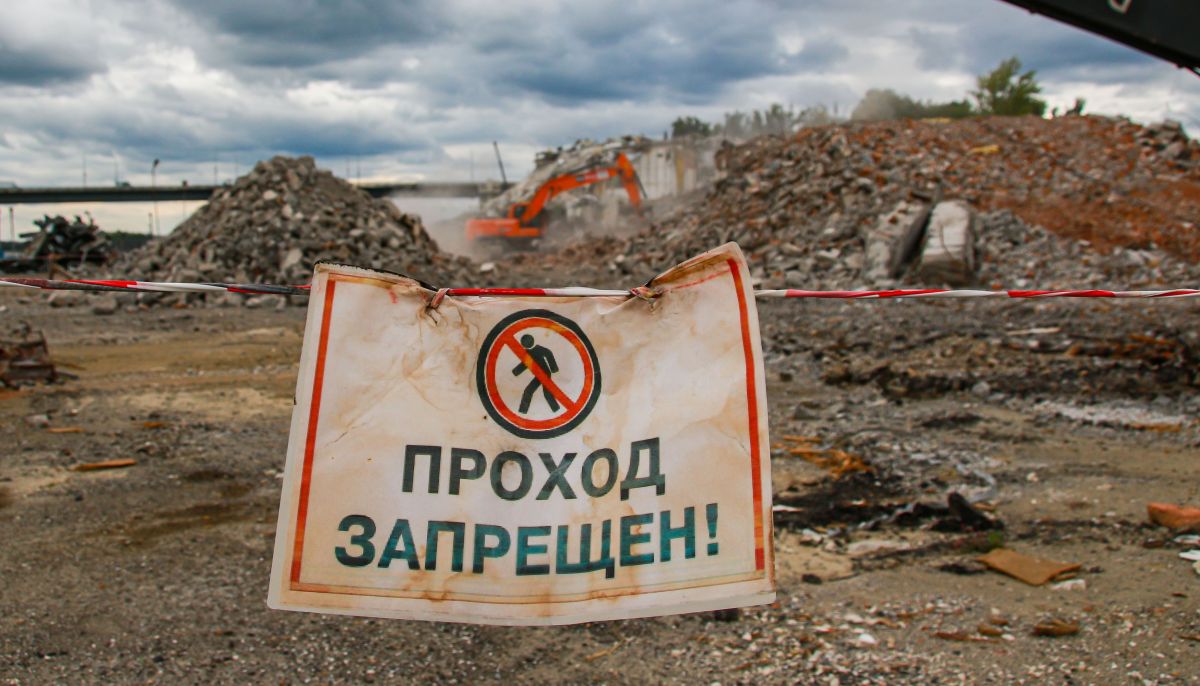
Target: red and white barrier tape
{"points": [[150, 286], [948, 293], [577, 291]]}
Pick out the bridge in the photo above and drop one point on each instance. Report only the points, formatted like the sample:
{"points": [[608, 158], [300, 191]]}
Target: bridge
{"points": [[62, 194]]}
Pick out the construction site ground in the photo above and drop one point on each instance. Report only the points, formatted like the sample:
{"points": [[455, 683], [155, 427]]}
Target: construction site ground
{"points": [[1064, 418]]}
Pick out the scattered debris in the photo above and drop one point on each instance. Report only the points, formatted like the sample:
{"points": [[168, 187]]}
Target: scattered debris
{"points": [[38, 421], [1070, 585], [956, 516], [1056, 628], [25, 359], [962, 516], [838, 462], [106, 464], [1176, 517], [1125, 416], [966, 567], [606, 651], [874, 546], [1032, 570], [952, 421], [865, 640], [961, 636], [990, 630]]}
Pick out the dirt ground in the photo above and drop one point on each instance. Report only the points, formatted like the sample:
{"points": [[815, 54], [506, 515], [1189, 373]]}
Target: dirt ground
{"points": [[1061, 420]]}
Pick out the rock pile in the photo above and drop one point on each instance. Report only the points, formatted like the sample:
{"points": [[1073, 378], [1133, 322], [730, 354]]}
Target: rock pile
{"points": [[275, 223], [1016, 255], [1116, 200]]}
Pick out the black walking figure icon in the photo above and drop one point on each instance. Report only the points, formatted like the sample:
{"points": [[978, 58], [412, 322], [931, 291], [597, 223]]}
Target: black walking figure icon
{"points": [[543, 358]]}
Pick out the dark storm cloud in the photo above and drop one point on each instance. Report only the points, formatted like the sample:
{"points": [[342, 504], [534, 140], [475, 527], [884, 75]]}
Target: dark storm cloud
{"points": [[687, 71], [301, 33], [632, 52], [44, 65], [559, 54], [181, 137], [312, 138]]}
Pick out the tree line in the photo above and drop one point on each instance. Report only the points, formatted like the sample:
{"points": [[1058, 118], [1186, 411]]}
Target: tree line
{"points": [[1005, 90]]}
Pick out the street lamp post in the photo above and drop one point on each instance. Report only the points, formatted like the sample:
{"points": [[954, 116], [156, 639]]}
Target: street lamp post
{"points": [[153, 184]]}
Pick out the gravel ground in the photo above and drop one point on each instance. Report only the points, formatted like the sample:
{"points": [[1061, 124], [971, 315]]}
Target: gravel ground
{"points": [[1061, 419]]}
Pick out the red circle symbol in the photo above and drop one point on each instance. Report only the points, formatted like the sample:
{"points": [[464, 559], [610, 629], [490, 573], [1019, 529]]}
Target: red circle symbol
{"points": [[570, 410]]}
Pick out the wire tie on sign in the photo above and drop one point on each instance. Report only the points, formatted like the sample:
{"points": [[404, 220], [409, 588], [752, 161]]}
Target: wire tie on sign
{"points": [[645, 293], [437, 299]]}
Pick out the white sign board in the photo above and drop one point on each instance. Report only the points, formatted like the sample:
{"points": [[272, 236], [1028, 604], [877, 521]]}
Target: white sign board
{"points": [[518, 460]]}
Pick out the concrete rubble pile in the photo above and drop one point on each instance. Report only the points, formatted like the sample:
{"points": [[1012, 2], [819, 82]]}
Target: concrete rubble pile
{"points": [[275, 223], [998, 202]]}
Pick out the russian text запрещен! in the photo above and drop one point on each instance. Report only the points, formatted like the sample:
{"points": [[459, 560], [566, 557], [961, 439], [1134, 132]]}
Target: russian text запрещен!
{"points": [[530, 546], [466, 464]]}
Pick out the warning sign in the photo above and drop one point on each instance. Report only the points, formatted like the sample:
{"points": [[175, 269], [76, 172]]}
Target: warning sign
{"points": [[520, 460]]}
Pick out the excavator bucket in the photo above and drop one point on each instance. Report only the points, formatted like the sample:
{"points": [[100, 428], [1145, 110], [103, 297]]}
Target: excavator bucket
{"points": [[485, 227]]}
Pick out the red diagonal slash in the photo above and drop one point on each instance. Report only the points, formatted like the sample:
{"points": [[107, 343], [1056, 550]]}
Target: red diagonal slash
{"points": [[526, 359]]}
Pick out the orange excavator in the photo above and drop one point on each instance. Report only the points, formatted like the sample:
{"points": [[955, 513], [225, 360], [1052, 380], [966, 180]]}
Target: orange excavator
{"points": [[526, 221]]}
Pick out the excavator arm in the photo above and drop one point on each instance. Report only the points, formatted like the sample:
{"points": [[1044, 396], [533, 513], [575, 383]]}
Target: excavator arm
{"points": [[522, 218], [621, 168]]}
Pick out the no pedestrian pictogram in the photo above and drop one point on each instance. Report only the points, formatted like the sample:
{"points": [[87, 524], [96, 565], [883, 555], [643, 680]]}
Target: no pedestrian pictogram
{"points": [[537, 374]]}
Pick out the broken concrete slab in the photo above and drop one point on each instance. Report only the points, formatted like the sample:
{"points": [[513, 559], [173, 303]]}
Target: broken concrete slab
{"points": [[884, 257], [948, 255]]}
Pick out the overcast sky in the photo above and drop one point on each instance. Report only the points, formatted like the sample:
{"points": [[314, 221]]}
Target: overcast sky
{"points": [[382, 88]]}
